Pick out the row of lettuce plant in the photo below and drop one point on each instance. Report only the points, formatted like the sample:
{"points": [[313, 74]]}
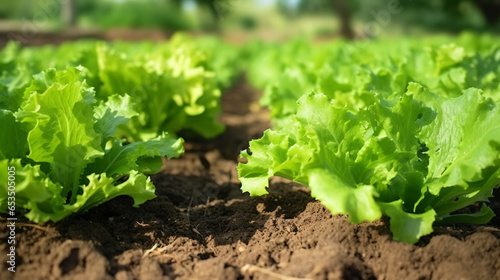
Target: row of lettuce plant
{"points": [[409, 129], [96, 127]]}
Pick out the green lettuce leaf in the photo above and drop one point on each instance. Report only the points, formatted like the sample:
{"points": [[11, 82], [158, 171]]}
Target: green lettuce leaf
{"points": [[35, 193], [42, 200], [102, 188], [67, 152], [60, 110], [111, 115], [120, 159], [416, 158], [12, 136], [171, 88]]}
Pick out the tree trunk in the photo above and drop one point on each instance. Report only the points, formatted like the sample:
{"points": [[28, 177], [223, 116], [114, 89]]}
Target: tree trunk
{"points": [[68, 12], [490, 11], [218, 12], [345, 18]]}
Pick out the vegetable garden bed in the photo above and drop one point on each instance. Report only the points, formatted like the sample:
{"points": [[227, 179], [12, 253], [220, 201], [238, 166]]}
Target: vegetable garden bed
{"points": [[201, 225]]}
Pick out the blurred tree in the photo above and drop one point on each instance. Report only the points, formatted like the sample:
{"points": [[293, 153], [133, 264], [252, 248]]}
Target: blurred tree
{"points": [[68, 12], [490, 10], [453, 15], [449, 15], [158, 14], [217, 8], [286, 9], [345, 10], [16, 9]]}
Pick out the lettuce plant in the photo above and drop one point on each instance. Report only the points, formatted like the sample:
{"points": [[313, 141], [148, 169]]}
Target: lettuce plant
{"points": [[416, 158], [349, 71], [171, 87], [173, 84], [65, 151]]}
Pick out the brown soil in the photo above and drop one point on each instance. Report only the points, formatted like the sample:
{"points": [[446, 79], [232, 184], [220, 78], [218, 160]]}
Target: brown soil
{"points": [[202, 227], [31, 36]]}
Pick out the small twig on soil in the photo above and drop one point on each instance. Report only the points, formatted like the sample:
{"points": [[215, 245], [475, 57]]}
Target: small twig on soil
{"points": [[206, 207], [33, 226], [159, 253], [195, 229], [214, 250], [142, 224], [21, 224], [150, 250], [251, 269]]}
